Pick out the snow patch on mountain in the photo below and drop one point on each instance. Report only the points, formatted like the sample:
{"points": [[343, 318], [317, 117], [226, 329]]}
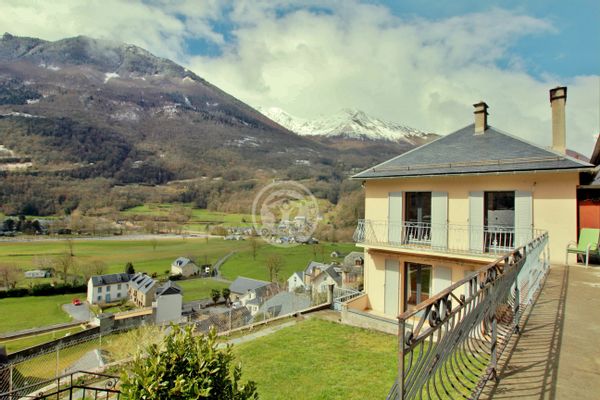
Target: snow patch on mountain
{"points": [[348, 123]]}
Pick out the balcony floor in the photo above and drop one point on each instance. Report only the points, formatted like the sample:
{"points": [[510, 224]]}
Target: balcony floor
{"points": [[556, 357]]}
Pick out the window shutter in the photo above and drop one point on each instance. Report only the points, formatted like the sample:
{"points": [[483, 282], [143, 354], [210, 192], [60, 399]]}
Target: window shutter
{"points": [[476, 221], [395, 213], [442, 278], [439, 220], [523, 217]]}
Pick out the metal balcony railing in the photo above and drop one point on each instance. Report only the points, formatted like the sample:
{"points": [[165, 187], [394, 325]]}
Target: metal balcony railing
{"points": [[451, 238]]}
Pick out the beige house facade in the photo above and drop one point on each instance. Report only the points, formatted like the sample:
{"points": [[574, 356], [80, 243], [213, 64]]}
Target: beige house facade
{"points": [[440, 212]]}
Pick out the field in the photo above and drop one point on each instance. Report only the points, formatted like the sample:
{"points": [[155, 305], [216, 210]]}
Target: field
{"points": [[29, 312], [23, 343], [295, 258], [318, 359], [194, 289]]}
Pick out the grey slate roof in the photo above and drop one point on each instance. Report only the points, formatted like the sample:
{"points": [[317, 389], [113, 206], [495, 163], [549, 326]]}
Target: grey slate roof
{"points": [[243, 285], [285, 303], [312, 265], [142, 282], [334, 275], [181, 262], [464, 152], [169, 287], [111, 279]]}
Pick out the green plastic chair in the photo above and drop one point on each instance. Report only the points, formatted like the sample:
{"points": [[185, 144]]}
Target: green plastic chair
{"points": [[588, 245]]}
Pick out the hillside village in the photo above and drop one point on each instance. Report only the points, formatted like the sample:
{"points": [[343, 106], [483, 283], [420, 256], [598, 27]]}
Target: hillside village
{"points": [[187, 214]]}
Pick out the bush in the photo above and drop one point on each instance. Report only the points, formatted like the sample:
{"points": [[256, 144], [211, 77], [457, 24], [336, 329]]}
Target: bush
{"points": [[18, 292], [185, 366], [46, 289], [175, 277]]}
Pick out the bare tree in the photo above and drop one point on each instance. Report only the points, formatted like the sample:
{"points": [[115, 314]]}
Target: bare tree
{"points": [[9, 273], [254, 245], [153, 243], [65, 264], [91, 268], [70, 247], [274, 264]]}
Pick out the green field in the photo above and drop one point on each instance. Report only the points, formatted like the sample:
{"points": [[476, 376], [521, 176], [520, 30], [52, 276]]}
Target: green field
{"points": [[30, 312], [196, 289], [318, 359], [116, 254], [23, 343], [295, 258]]}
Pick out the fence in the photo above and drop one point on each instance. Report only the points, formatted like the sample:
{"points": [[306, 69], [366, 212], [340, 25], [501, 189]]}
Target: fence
{"points": [[449, 345], [341, 295]]}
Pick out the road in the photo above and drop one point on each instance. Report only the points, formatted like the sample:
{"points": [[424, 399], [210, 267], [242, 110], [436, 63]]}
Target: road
{"points": [[78, 313]]}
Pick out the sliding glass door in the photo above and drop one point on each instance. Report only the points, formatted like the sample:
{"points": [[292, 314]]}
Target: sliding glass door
{"points": [[417, 284]]}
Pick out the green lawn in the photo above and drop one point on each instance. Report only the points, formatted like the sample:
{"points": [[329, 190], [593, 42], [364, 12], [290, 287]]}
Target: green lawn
{"points": [[318, 359], [196, 289], [34, 311], [23, 343], [199, 217], [295, 258], [142, 253]]}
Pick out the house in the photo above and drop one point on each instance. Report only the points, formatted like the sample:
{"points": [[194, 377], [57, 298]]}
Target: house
{"points": [[37, 273], [313, 269], [296, 281], [168, 304], [109, 288], [354, 258], [283, 303], [329, 276], [437, 213], [142, 290], [251, 293], [184, 266], [336, 254]]}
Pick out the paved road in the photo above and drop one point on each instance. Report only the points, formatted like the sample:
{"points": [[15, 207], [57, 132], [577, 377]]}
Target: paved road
{"points": [[78, 313], [558, 354]]}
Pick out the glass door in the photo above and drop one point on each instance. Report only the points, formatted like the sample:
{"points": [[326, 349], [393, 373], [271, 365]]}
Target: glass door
{"points": [[417, 285]]}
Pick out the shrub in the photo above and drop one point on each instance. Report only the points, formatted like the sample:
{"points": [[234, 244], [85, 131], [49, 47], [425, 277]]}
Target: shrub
{"points": [[185, 366], [18, 292], [175, 277]]}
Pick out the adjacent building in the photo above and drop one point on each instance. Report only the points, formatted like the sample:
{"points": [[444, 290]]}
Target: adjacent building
{"points": [[109, 288], [184, 266], [142, 290], [296, 282], [439, 212], [251, 293], [168, 304]]}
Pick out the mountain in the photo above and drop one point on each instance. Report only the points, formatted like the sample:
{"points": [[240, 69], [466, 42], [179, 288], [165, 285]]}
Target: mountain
{"points": [[348, 124], [92, 125]]}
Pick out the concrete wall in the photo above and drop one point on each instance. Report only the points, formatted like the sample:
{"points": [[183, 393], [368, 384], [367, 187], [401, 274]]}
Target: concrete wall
{"points": [[168, 308]]}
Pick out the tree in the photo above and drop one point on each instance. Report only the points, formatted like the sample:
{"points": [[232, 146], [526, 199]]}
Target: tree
{"points": [[185, 366], [274, 264], [9, 274], [70, 247], [153, 243], [215, 295], [92, 268], [254, 245], [65, 264], [129, 268], [9, 225], [226, 294]]}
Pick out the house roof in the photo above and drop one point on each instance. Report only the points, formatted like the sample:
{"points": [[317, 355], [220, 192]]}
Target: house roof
{"points": [[333, 274], [110, 279], [300, 275], [312, 265], [142, 282], [464, 152], [182, 262], [168, 288], [285, 303], [243, 284], [351, 258]]}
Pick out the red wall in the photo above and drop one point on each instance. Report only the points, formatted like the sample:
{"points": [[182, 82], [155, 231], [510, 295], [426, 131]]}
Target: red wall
{"points": [[589, 214]]}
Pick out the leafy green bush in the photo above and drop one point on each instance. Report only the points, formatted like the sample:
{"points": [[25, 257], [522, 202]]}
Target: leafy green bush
{"points": [[185, 366]]}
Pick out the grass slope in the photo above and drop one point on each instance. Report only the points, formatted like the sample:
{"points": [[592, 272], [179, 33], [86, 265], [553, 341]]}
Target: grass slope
{"points": [[318, 359], [30, 312], [196, 289]]}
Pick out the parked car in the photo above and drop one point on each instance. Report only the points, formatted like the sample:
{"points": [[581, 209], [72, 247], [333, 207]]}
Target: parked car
{"points": [[76, 302]]}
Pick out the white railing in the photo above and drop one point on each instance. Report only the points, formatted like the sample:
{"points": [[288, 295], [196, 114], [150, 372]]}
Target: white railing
{"points": [[452, 238]]}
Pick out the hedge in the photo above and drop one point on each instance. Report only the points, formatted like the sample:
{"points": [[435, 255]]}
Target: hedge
{"points": [[43, 289]]}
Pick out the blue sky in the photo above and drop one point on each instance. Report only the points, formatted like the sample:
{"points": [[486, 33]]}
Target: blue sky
{"points": [[421, 63]]}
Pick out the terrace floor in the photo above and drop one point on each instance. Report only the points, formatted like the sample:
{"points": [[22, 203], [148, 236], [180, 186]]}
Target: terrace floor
{"points": [[557, 355]]}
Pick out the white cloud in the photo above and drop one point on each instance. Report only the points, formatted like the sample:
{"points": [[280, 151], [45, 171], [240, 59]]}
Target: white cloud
{"points": [[317, 57]]}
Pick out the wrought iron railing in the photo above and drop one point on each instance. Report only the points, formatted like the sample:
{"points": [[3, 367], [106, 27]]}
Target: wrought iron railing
{"points": [[449, 345], [452, 238], [75, 385]]}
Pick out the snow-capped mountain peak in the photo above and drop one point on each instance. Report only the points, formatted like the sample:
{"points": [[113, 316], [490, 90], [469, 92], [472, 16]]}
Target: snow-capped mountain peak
{"points": [[348, 123]]}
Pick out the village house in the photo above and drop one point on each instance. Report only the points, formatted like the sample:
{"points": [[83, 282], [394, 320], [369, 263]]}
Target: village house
{"points": [[184, 266], [439, 212], [38, 273], [168, 304], [109, 288], [142, 290], [296, 282], [251, 293], [311, 271]]}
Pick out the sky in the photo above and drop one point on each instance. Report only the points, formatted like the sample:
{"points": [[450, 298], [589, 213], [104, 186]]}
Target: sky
{"points": [[422, 63]]}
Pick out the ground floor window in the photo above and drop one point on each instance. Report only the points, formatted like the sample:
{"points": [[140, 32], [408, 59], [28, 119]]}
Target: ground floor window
{"points": [[417, 285]]}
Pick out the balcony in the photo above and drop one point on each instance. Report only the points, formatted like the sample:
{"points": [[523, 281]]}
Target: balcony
{"points": [[443, 238]]}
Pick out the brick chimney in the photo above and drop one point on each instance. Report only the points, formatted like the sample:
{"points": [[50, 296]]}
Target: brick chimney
{"points": [[558, 99], [480, 117]]}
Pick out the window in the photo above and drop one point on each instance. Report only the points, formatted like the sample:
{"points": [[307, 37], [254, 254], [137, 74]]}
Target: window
{"points": [[417, 286], [417, 213], [499, 220], [118, 295], [119, 286], [99, 298], [108, 288], [99, 289]]}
